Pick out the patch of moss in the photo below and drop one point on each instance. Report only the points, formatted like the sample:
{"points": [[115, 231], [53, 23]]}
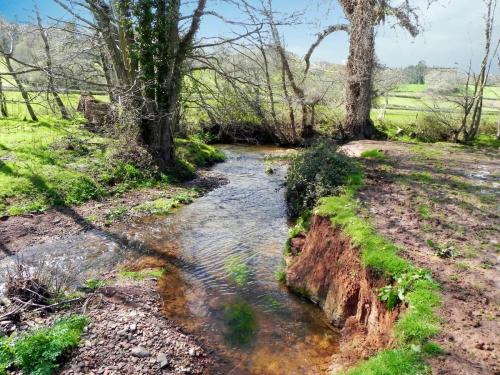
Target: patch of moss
{"points": [[373, 154], [142, 274], [164, 206]]}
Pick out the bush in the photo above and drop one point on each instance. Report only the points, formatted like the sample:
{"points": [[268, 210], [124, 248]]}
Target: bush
{"points": [[38, 352], [433, 127], [319, 171]]}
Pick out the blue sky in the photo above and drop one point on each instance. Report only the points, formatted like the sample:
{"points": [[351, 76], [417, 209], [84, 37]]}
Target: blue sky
{"points": [[453, 30]]}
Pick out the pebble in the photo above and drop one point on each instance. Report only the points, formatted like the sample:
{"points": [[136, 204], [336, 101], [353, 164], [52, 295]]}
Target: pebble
{"points": [[140, 352]]}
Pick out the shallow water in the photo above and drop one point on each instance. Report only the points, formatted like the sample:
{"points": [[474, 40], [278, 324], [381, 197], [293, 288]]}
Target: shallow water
{"points": [[223, 251], [229, 247]]}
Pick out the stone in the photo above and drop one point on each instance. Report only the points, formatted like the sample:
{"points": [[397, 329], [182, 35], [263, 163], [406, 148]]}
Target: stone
{"points": [[140, 352], [162, 360], [192, 352]]}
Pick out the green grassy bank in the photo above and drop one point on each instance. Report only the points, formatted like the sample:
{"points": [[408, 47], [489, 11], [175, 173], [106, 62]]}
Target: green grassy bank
{"points": [[55, 162]]}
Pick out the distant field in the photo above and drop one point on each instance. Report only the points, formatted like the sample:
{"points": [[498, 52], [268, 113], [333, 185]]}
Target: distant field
{"points": [[407, 102]]}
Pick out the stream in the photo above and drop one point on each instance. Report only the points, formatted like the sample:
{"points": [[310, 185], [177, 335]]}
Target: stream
{"points": [[223, 252]]}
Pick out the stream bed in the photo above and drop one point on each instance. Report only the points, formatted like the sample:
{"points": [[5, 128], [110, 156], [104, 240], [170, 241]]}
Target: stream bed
{"points": [[223, 253]]}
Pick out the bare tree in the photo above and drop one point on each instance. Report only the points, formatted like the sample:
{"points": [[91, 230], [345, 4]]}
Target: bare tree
{"points": [[49, 67], [464, 105], [3, 100], [472, 105], [8, 35]]}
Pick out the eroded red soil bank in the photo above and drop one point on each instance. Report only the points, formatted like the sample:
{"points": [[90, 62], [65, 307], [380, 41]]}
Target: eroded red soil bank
{"points": [[326, 267]]}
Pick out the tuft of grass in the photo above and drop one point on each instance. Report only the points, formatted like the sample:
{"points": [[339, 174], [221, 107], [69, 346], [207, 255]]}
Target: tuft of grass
{"points": [[392, 362], [142, 274], [164, 206], [280, 274], [301, 227], [93, 284], [424, 211], [38, 352], [374, 154], [423, 177]]}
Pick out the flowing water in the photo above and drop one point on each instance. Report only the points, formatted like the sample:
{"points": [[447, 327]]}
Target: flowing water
{"points": [[224, 251]]}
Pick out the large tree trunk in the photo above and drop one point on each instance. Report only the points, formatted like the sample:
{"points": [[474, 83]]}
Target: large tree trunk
{"points": [[21, 88], [358, 124]]}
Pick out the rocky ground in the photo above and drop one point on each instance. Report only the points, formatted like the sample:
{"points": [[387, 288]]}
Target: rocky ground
{"points": [[129, 335], [19, 232], [440, 203]]}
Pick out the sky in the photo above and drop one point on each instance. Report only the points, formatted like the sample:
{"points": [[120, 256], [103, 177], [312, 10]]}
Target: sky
{"points": [[453, 30]]}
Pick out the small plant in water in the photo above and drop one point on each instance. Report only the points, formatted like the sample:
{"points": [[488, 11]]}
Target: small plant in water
{"points": [[238, 271], [241, 323]]}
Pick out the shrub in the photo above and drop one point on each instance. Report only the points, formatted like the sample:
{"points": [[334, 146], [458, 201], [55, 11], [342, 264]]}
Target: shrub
{"points": [[37, 352], [82, 189], [433, 127], [317, 172]]}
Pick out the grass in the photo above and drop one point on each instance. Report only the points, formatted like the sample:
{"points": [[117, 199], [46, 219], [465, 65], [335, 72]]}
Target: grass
{"points": [[424, 211], [373, 154], [421, 295], [142, 274], [163, 206], [38, 352], [301, 227], [55, 162], [17, 109]]}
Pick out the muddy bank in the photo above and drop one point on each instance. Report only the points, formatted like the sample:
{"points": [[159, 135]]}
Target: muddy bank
{"points": [[19, 232], [439, 203], [326, 268]]}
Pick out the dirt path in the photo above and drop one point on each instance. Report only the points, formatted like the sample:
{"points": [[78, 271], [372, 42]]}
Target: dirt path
{"points": [[440, 203]]}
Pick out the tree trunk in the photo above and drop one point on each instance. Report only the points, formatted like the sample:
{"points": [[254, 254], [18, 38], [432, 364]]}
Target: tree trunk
{"points": [[107, 74], [3, 101], [358, 124], [50, 77], [21, 88]]}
